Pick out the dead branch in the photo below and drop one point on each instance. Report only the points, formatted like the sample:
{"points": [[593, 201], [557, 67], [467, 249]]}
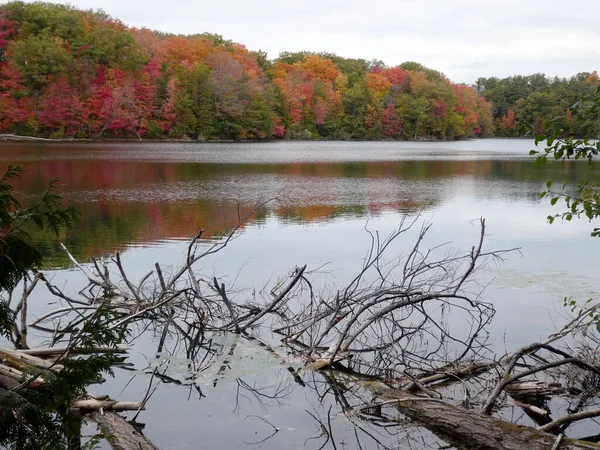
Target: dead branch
{"points": [[297, 276], [223, 294], [418, 317], [92, 404]]}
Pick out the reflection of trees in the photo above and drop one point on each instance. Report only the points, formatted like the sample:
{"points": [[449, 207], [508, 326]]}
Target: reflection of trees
{"points": [[126, 202]]}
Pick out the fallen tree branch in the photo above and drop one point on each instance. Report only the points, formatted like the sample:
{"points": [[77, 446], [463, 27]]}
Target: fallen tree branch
{"points": [[92, 404]]}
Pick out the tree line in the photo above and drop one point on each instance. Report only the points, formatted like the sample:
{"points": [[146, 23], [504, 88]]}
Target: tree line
{"points": [[69, 73], [540, 103]]}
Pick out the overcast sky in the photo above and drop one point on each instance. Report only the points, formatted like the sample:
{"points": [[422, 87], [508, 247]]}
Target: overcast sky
{"points": [[465, 39]]}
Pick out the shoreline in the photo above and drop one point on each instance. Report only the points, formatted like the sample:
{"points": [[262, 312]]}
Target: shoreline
{"points": [[20, 138]]}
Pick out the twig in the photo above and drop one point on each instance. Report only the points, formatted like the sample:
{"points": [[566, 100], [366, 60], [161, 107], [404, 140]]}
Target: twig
{"points": [[280, 297], [223, 294]]}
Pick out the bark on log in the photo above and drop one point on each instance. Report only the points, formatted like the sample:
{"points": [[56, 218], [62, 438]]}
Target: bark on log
{"points": [[121, 434], [467, 429]]}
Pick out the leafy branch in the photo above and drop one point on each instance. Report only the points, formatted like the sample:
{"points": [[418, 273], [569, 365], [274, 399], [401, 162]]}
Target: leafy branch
{"points": [[585, 200]]}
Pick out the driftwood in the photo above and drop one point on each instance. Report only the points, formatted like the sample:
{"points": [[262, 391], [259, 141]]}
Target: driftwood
{"points": [[17, 137], [449, 375], [10, 377], [22, 361], [120, 433]]}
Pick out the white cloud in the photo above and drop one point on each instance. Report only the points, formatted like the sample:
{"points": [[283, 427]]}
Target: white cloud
{"points": [[465, 39]]}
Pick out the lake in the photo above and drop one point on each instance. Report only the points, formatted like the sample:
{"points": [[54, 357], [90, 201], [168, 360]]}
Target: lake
{"points": [[146, 200]]}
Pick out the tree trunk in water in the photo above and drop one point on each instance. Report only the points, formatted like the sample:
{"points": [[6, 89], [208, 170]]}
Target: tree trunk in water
{"points": [[121, 434], [471, 430]]}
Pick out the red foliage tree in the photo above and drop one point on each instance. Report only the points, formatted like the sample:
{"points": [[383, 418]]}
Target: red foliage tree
{"points": [[61, 108], [392, 123]]}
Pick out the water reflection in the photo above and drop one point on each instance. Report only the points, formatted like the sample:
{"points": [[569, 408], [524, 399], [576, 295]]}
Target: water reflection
{"points": [[127, 202], [147, 197]]}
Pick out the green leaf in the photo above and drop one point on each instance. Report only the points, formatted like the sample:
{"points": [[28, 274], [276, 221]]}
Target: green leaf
{"points": [[553, 201]]}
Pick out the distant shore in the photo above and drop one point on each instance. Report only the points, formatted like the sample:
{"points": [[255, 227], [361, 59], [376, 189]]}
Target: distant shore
{"points": [[19, 138]]}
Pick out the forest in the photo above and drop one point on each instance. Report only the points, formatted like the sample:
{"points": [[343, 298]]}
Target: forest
{"points": [[68, 73]]}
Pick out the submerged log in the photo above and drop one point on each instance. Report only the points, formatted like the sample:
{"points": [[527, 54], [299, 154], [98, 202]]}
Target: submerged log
{"points": [[467, 429], [120, 433]]}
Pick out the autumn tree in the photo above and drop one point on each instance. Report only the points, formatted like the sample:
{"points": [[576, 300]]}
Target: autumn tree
{"points": [[67, 72]]}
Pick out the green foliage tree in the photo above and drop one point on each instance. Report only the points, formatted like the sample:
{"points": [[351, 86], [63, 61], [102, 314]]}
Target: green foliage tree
{"points": [[417, 67], [38, 58], [534, 100], [114, 48], [584, 201], [194, 103], [51, 19], [355, 105]]}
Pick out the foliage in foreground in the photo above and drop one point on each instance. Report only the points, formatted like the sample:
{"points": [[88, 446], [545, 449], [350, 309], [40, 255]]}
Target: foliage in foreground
{"points": [[34, 414]]}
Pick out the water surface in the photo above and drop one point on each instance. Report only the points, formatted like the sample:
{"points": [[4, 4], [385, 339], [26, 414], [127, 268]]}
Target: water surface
{"points": [[147, 199]]}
